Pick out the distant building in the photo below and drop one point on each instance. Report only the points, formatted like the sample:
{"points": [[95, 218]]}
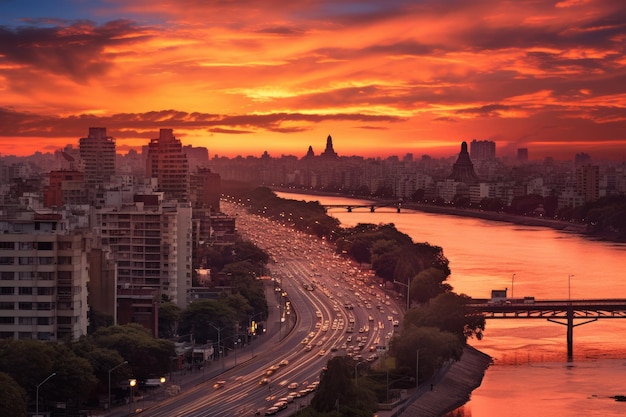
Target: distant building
{"points": [[588, 182], [481, 150], [581, 159], [168, 164], [97, 152], [65, 187], [329, 152], [522, 155], [463, 169]]}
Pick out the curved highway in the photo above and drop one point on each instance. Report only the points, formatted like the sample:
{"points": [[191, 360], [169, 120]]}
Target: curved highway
{"points": [[322, 304]]}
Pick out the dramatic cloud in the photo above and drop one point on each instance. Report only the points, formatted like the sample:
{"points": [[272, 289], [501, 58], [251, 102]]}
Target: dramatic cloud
{"points": [[383, 77]]}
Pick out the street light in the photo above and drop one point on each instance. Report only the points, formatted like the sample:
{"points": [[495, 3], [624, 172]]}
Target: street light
{"points": [[407, 292], [219, 339], [131, 384], [512, 281], [37, 395], [111, 370], [569, 287], [356, 375]]}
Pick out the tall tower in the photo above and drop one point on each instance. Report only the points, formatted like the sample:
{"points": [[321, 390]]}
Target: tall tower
{"points": [[168, 164], [98, 154], [463, 169], [329, 152]]}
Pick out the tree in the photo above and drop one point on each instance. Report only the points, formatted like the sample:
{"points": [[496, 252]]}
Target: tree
{"points": [[337, 391], [146, 355], [202, 318], [12, 397], [169, 315], [29, 362], [449, 313], [434, 345], [428, 284]]}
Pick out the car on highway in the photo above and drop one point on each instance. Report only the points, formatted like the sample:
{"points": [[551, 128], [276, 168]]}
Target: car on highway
{"points": [[271, 411], [219, 384]]}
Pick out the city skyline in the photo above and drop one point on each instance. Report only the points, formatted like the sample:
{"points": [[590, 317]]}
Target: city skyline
{"points": [[383, 78]]}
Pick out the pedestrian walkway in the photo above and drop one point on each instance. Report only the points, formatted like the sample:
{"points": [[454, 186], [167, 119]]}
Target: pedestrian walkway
{"points": [[187, 379]]}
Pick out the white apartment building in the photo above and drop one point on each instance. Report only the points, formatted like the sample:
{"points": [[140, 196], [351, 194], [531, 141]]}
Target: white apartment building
{"points": [[151, 243], [43, 277]]}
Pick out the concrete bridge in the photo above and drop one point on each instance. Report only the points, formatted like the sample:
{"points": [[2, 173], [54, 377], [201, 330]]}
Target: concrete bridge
{"points": [[571, 313]]}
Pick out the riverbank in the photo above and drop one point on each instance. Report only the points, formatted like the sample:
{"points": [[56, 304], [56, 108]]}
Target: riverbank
{"points": [[451, 388]]}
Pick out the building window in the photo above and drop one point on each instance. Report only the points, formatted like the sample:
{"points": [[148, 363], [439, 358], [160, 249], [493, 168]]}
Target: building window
{"points": [[25, 306], [27, 260], [43, 321], [65, 260], [7, 320], [25, 275], [7, 245], [26, 321], [65, 245], [7, 260], [25, 335], [7, 335], [45, 291], [26, 246], [46, 260], [7, 305], [7, 290], [44, 335], [26, 290], [45, 246], [7, 276]]}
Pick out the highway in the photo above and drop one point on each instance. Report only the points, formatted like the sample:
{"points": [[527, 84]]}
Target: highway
{"points": [[312, 326]]}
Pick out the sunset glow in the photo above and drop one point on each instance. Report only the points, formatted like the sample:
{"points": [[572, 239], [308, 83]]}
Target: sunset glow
{"points": [[382, 77]]}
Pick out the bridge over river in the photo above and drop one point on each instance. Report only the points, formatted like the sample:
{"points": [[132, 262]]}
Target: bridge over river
{"points": [[571, 313], [371, 205]]}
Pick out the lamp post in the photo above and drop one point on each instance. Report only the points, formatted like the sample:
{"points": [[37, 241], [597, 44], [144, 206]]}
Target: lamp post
{"points": [[512, 281], [407, 292], [111, 370], [569, 287], [37, 394], [356, 374], [219, 339], [131, 384], [250, 317]]}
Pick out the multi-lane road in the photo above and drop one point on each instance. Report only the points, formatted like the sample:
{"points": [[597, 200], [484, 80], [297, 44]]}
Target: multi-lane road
{"points": [[322, 305]]}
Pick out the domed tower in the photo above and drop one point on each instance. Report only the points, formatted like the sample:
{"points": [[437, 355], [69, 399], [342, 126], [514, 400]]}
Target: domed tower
{"points": [[329, 152], [463, 169]]}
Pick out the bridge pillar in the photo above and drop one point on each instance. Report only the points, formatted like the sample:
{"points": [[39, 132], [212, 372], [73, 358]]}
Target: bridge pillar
{"points": [[349, 209], [372, 209], [570, 333]]}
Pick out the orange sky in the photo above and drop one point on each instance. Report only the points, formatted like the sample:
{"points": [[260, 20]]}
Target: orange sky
{"points": [[382, 77]]}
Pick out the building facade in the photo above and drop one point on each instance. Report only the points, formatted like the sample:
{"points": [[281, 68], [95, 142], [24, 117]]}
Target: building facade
{"points": [[43, 278], [167, 163]]}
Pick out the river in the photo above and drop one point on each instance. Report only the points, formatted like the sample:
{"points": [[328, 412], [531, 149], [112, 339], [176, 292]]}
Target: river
{"points": [[531, 375]]}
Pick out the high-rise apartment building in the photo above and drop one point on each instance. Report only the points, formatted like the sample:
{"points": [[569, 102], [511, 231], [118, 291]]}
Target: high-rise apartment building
{"points": [[588, 182], [43, 278], [522, 155], [167, 163], [97, 152], [151, 243], [481, 150]]}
